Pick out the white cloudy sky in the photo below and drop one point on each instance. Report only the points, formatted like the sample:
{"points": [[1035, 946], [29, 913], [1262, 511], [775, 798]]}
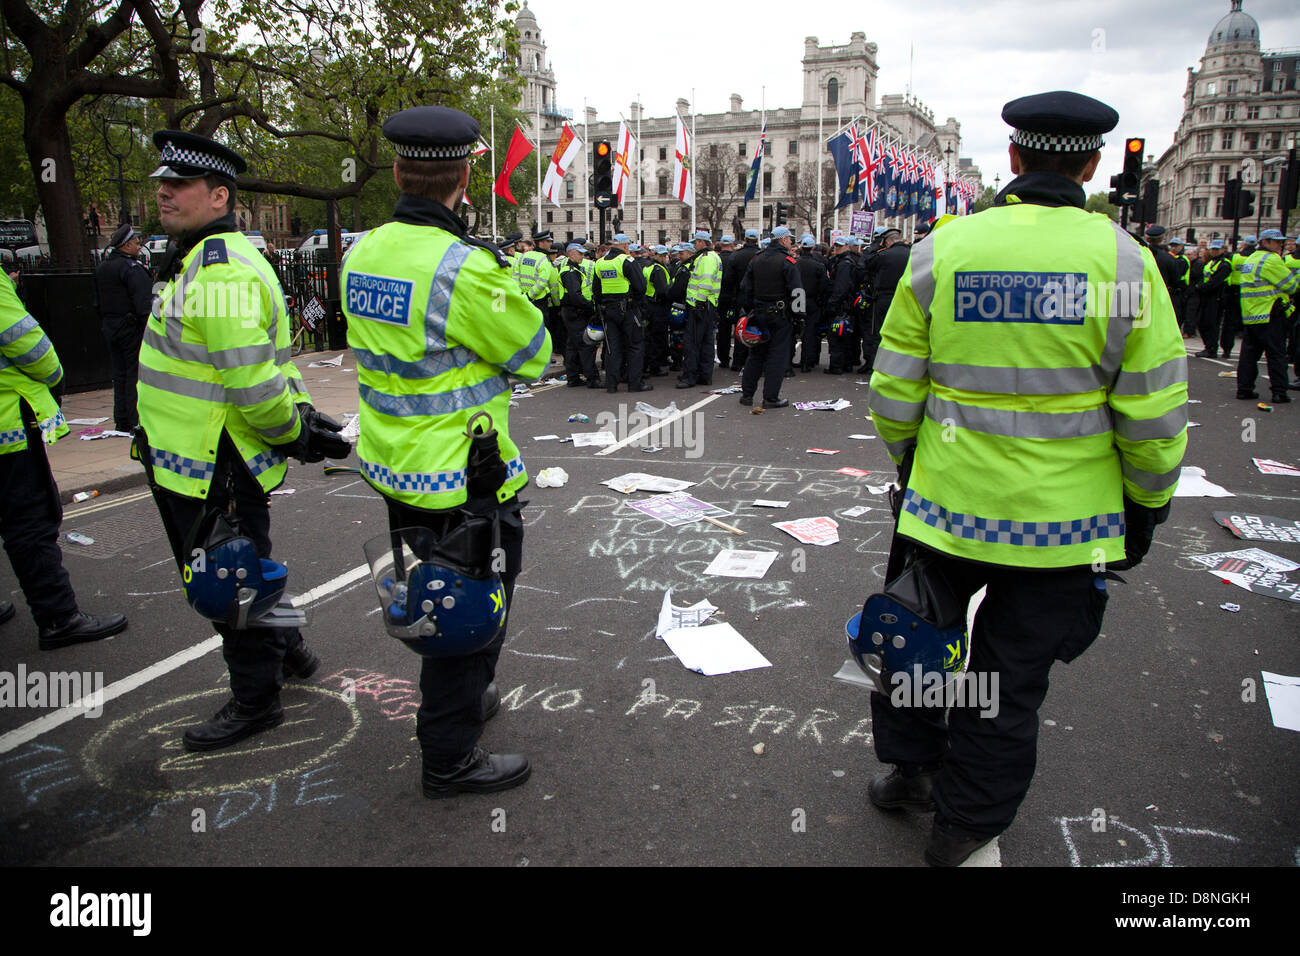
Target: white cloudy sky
{"points": [[970, 58]]}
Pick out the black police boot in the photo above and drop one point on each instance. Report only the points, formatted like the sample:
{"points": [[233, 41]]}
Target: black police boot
{"points": [[300, 662], [491, 702], [594, 383], [81, 628], [7, 610], [1246, 396], [747, 399], [643, 387], [575, 381], [232, 724], [893, 791], [778, 403], [1281, 398], [949, 849], [480, 772]]}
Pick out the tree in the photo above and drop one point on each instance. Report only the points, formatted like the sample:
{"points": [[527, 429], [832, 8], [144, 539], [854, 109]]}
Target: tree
{"points": [[52, 67], [985, 201], [718, 185], [1099, 202]]}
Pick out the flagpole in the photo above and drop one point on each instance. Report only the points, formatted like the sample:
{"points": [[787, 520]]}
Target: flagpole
{"points": [[492, 113], [537, 112], [762, 150], [821, 154], [640, 233], [695, 145], [586, 169]]}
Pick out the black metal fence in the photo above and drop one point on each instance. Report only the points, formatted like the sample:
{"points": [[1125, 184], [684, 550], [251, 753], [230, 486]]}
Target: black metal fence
{"points": [[63, 299]]}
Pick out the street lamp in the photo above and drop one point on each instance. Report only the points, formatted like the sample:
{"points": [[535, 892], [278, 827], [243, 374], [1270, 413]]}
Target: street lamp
{"points": [[125, 215]]}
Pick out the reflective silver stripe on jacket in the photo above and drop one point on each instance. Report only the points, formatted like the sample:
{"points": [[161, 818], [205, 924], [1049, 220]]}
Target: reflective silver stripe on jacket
{"points": [[1018, 424], [435, 403], [18, 330], [431, 366], [437, 311]]}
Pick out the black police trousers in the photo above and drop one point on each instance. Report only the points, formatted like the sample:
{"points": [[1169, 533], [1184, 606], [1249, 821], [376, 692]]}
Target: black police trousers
{"points": [[656, 337], [1268, 339], [701, 325], [871, 333], [731, 352], [986, 756], [450, 720], [625, 343], [30, 514], [843, 349], [254, 656], [579, 354], [769, 358], [124, 335], [810, 350]]}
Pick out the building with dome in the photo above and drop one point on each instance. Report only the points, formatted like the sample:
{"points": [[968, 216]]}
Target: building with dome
{"points": [[839, 84], [1241, 114]]}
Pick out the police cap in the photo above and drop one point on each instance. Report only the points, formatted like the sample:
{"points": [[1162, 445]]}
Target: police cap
{"points": [[780, 232], [541, 235], [1273, 234], [1059, 122], [703, 235], [806, 241], [512, 238], [840, 241], [922, 228], [727, 238], [432, 132], [190, 156], [751, 233], [1216, 244], [1248, 240], [1155, 232], [121, 236]]}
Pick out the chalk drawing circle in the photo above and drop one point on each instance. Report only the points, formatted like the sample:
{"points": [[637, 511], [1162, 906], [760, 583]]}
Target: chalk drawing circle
{"points": [[167, 722]]}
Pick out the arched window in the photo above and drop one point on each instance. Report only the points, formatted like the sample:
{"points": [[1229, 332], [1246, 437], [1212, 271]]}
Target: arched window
{"points": [[537, 62], [833, 92]]}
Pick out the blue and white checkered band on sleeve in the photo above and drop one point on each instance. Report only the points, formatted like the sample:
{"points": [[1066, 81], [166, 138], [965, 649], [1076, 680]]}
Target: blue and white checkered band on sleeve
{"points": [[193, 157], [460, 151], [1056, 143]]}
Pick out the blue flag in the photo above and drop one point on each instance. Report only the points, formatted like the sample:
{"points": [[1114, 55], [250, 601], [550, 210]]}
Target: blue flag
{"points": [[846, 170], [755, 166]]}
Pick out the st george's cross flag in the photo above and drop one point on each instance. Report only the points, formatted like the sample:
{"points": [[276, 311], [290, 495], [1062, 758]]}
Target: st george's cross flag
{"points": [[566, 150]]}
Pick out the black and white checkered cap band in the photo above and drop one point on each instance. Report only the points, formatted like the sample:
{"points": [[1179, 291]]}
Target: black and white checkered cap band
{"points": [[460, 151], [192, 157], [1056, 143]]}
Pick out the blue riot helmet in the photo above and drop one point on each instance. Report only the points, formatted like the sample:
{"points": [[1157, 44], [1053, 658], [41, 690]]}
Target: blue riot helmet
{"points": [[593, 333], [228, 583], [916, 627], [677, 316], [432, 604]]}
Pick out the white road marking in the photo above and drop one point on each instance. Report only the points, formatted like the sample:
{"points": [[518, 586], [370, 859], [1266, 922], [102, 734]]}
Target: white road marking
{"points": [[105, 505], [610, 449], [47, 722]]}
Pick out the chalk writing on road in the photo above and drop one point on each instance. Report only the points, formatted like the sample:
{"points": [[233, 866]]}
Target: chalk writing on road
{"points": [[1123, 845]]}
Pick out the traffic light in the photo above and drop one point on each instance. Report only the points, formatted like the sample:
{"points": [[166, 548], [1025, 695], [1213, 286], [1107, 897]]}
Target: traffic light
{"points": [[604, 178], [1230, 198], [782, 211], [1245, 203], [1150, 200], [1125, 185], [1290, 188], [1133, 155]]}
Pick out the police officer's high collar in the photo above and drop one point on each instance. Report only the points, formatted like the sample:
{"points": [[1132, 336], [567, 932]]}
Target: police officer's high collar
{"points": [[1043, 189], [178, 250], [418, 211]]}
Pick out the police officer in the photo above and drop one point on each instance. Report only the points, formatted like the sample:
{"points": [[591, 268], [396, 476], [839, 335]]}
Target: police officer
{"points": [[1178, 293], [1102, 469], [222, 405], [726, 301], [1266, 289], [816, 282], [426, 365], [769, 295], [702, 291], [619, 286], [655, 310], [30, 511], [1231, 325], [733, 272], [125, 294], [885, 272], [1171, 270], [576, 277], [1211, 292], [842, 337]]}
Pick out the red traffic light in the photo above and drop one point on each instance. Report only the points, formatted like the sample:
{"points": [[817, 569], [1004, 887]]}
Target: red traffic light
{"points": [[602, 149], [1133, 145]]}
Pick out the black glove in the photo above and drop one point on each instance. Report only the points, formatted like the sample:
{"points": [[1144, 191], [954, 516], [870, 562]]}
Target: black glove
{"points": [[318, 438], [1139, 530], [896, 495]]}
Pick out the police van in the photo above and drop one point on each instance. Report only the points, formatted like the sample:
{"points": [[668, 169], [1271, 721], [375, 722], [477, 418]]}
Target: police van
{"points": [[258, 241], [18, 240], [320, 240]]}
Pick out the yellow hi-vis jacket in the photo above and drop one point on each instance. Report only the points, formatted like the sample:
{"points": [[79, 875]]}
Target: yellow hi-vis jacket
{"points": [[29, 367], [438, 329], [1031, 356], [1266, 278], [215, 357]]}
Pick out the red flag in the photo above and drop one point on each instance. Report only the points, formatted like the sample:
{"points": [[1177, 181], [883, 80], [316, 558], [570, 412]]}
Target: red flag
{"points": [[519, 148]]}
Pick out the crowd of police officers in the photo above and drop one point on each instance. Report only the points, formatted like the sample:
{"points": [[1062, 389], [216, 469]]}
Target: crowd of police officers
{"points": [[647, 311]]}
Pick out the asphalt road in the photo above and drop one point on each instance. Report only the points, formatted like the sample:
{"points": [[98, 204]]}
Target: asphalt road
{"points": [[635, 759]]}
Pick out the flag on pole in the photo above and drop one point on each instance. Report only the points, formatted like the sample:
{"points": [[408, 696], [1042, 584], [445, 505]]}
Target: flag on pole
{"points": [[480, 148], [683, 166], [846, 168], [566, 151], [519, 148], [624, 156], [756, 166]]}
